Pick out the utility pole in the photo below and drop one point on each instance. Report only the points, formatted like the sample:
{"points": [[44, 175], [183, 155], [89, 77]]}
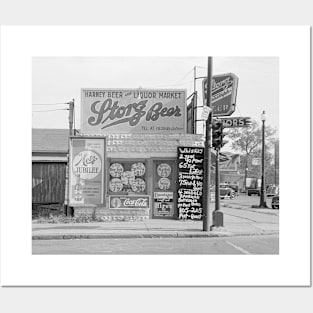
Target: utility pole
{"points": [[194, 78], [217, 181], [217, 143], [276, 158], [262, 197], [207, 153], [69, 210], [71, 117], [195, 103]]}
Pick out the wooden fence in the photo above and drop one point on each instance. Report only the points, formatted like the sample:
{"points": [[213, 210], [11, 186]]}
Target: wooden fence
{"points": [[48, 182]]}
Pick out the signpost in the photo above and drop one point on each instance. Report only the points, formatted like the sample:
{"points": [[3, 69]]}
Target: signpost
{"points": [[236, 121], [224, 92], [256, 161]]}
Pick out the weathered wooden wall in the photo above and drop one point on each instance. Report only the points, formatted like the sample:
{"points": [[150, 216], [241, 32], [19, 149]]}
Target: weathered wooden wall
{"points": [[48, 182]]}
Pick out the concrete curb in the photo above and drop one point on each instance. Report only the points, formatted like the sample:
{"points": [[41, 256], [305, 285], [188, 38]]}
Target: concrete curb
{"points": [[214, 233], [247, 208]]}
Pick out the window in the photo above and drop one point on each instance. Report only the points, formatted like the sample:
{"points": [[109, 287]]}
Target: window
{"points": [[127, 177]]}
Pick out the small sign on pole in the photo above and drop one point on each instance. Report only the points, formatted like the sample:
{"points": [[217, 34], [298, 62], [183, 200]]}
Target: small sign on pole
{"points": [[236, 121], [205, 112], [256, 161]]}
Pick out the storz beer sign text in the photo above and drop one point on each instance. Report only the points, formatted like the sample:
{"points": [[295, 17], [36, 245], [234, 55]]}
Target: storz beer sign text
{"points": [[133, 111]]}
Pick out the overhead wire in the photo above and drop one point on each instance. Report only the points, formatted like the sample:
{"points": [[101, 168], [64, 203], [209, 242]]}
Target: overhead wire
{"points": [[181, 84], [50, 110], [201, 67], [74, 118], [178, 81], [49, 103]]}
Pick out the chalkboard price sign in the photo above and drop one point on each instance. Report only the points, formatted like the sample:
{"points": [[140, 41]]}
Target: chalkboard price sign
{"points": [[190, 182]]}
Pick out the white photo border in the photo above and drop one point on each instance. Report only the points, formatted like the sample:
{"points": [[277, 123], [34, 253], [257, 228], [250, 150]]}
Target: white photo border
{"points": [[20, 268]]}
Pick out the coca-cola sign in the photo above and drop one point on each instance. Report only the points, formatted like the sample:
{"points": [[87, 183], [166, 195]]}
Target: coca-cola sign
{"points": [[129, 202], [133, 111]]}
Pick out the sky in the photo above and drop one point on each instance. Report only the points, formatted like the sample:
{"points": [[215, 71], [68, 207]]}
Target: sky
{"points": [[59, 80]]}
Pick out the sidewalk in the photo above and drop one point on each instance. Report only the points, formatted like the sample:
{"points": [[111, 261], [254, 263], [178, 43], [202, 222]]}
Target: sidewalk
{"points": [[153, 228]]}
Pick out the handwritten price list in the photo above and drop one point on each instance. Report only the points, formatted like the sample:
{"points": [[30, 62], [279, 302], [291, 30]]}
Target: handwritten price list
{"points": [[190, 182]]}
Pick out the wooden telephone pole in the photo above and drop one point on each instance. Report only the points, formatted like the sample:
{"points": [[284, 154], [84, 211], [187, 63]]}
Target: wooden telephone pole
{"points": [[207, 153], [67, 209]]}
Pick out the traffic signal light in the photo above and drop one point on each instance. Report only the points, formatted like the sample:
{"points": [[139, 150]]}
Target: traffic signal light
{"points": [[217, 134]]}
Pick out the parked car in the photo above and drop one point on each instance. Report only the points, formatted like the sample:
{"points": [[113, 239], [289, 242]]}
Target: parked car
{"points": [[272, 191], [254, 192], [235, 188], [275, 202], [253, 186], [226, 191]]}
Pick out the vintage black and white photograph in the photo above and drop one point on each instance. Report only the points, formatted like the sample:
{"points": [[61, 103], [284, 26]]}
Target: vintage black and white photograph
{"points": [[135, 156], [155, 155]]}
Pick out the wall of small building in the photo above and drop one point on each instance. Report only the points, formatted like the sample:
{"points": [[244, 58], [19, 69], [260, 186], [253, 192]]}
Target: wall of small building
{"points": [[48, 182], [146, 148]]}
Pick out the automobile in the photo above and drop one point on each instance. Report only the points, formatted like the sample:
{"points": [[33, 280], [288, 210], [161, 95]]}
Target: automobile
{"points": [[254, 192], [226, 191], [253, 186], [275, 202], [235, 188], [272, 191]]}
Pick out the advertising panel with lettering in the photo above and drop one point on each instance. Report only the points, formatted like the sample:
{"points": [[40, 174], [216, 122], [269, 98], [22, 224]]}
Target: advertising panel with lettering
{"points": [[164, 187], [116, 111], [86, 170], [129, 202], [190, 182], [224, 93]]}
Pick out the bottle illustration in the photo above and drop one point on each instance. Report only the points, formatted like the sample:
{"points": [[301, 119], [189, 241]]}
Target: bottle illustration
{"points": [[78, 189]]}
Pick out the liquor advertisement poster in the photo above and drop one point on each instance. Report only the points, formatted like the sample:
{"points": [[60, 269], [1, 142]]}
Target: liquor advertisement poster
{"points": [[86, 170], [133, 111], [190, 182]]}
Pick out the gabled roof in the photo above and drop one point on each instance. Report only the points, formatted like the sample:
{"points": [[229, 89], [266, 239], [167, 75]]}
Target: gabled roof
{"points": [[49, 140]]}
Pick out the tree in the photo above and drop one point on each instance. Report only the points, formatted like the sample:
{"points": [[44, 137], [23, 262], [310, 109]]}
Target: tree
{"points": [[247, 141]]}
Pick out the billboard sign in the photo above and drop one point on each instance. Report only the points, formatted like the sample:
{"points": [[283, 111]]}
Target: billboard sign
{"points": [[86, 170], [224, 93], [116, 111]]}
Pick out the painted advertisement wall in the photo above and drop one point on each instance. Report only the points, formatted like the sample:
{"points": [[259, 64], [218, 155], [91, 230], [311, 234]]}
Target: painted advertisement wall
{"points": [[86, 174], [115, 111]]}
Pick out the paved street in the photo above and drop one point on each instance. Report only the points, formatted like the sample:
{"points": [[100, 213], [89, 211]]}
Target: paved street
{"points": [[246, 201], [241, 207], [246, 230], [267, 244]]}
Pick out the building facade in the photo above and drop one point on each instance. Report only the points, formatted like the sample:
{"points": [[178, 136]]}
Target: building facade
{"points": [[142, 132]]}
